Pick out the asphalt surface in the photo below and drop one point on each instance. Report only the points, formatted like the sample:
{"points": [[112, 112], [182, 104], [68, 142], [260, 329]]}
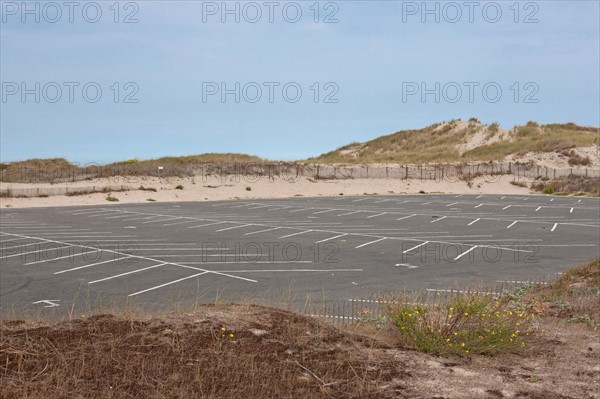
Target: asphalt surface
{"points": [[162, 255]]}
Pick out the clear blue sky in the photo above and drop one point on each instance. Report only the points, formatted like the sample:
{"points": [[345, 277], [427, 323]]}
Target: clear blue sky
{"points": [[368, 57]]}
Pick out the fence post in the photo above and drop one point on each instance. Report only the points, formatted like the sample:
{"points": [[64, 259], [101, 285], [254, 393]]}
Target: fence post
{"points": [[317, 175], [554, 174], [509, 168], [386, 172]]}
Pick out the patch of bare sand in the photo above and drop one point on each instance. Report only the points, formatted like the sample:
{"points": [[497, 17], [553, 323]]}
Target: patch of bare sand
{"points": [[229, 188], [558, 160]]}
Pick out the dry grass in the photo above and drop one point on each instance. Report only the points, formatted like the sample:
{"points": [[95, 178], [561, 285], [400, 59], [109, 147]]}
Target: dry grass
{"points": [[574, 297], [215, 352], [439, 143], [569, 185]]}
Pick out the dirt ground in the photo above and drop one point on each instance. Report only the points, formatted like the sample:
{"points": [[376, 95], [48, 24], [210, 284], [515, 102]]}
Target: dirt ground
{"points": [[234, 351]]}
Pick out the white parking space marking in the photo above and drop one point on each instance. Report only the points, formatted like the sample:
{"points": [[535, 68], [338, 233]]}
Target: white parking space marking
{"points": [[330, 238], [161, 220], [349, 213], [207, 224], [512, 224], [296, 234], [506, 207], [474, 221], [371, 242], [438, 219], [406, 217], [477, 206], [374, 216], [91, 265], [32, 252], [127, 273], [169, 283], [178, 223], [327, 210], [538, 208], [415, 247], [235, 227], [454, 203], [554, 227], [466, 252], [262, 231]]}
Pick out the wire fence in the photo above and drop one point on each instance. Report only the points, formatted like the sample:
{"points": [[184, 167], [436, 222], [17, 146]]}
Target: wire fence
{"points": [[372, 308]]}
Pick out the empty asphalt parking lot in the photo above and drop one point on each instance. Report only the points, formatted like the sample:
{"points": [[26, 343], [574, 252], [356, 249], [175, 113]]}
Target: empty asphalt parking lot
{"points": [[159, 255]]}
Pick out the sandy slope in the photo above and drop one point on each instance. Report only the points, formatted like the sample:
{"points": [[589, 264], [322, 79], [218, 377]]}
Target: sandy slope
{"points": [[216, 188]]}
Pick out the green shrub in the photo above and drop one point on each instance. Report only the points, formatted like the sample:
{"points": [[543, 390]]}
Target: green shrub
{"points": [[179, 187], [468, 323], [548, 190], [248, 188], [110, 198]]}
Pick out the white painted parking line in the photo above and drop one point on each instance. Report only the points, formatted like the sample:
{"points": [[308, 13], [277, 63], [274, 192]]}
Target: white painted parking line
{"points": [[161, 220], [503, 197], [13, 239], [166, 284], [415, 247], [538, 208], [252, 262], [374, 216], [126, 274], [60, 257], [506, 207], [407, 265], [349, 213], [478, 205], [454, 203], [234, 227], [426, 203], [479, 196], [571, 211], [302, 209], [261, 206], [512, 224], [369, 243], [360, 199], [327, 210], [31, 252], [177, 223], [292, 270], [438, 219], [466, 252], [295, 234], [331, 238], [474, 221], [208, 224], [92, 264], [262, 231], [554, 227], [405, 217], [118, 216]]}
